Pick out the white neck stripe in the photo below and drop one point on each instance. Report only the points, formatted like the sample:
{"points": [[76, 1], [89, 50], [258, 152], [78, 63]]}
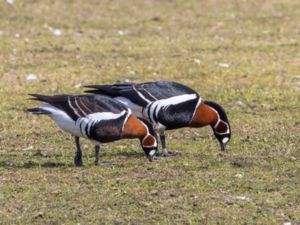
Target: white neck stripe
{"points": [[218, 122]]}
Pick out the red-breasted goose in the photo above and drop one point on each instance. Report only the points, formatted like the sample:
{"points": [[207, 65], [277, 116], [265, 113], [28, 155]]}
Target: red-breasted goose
{"points": [[169, 105], [98, 118]]}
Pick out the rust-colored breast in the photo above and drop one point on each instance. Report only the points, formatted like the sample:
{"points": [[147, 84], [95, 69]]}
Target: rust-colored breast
{"points": [[204, 115], [134, 128]]}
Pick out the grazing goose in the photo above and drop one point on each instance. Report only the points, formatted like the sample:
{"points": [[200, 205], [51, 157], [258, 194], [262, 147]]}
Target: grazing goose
{"points": [[169, 105], [97, 118]]}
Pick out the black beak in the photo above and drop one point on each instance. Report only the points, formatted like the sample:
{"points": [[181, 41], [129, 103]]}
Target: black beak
{"points": [[151, 155], [222, 146], [150, 158]]}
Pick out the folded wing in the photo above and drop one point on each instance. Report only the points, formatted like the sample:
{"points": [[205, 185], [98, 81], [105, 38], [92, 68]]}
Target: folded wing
{"points": [[144, 93], [77, 106]]}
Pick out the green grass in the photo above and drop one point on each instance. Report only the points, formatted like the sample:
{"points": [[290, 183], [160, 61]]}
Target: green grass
{"points": [[260, 42]]}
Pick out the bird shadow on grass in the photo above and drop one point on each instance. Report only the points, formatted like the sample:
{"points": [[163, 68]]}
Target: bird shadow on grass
{"points": [[50, 164], [132, 154], [30, 164]]}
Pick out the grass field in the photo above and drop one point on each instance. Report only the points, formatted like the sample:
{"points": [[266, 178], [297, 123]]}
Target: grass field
{"points": [[243, 54]]}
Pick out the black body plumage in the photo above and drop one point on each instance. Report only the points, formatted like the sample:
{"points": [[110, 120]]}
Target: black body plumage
{"points": [[96, 117], [170, 105]]}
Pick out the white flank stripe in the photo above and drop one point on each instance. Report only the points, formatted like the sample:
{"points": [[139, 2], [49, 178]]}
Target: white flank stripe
{"points": [[91, 119], [82, 127], [153, 106], [105, 116], [160, 104], [89, 128], [177, 99]]}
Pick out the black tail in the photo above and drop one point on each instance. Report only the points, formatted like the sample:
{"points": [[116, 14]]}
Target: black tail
{"points": [[109, 90], [42, 98], [38, 111], [50, 99], [126, 90]]}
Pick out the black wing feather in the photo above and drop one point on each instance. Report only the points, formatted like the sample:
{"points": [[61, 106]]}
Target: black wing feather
{"points": [[142, 93], [125, 90], [81, 105], [165, 89], [58, 101]]}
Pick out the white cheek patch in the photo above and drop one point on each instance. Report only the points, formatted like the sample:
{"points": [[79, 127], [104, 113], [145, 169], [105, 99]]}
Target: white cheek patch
{"points": [[152, 152], [225, 140]]}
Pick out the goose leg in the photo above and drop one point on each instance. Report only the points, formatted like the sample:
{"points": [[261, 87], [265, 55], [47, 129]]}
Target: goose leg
{"points": [[97, 156], [78, 156], [165, 151]]}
